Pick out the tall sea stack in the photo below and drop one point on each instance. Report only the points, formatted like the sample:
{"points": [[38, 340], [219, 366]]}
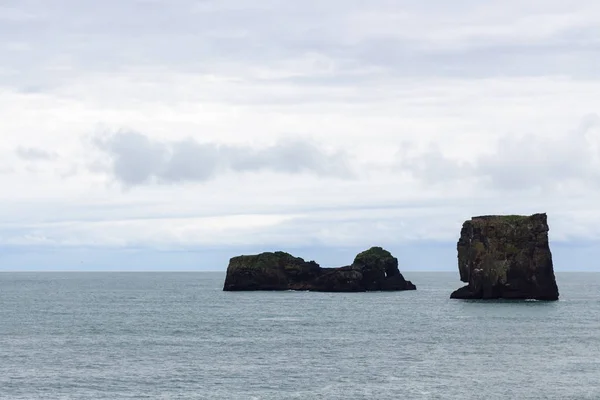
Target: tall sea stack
{"points": [[506, 257]]}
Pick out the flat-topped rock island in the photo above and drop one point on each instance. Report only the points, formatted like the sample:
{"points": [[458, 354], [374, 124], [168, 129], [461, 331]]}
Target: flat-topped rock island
{"points": [[372, 270], [506, 257]]}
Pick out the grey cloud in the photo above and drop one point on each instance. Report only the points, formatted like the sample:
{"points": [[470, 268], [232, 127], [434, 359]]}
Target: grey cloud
{"points": [[431, 166], [134, 159], [34, 154], [191, 161], [530, 161], [535, 161], [290, 157], [355, 34]]}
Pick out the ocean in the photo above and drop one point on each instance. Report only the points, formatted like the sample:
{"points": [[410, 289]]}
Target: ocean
{"points": [[120, 335]]}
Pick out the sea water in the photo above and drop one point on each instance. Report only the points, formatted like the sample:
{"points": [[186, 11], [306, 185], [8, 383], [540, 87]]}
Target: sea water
{"points": [[179, 336]]}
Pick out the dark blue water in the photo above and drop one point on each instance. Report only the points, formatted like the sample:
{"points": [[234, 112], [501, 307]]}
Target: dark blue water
{"points": [[178, 336]]}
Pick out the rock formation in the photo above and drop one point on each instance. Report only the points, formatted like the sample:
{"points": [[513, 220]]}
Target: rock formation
{"points": [[374, 269], [506, 257]]}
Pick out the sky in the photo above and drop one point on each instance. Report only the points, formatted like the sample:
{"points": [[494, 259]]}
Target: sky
{"points": [[173, 135]]}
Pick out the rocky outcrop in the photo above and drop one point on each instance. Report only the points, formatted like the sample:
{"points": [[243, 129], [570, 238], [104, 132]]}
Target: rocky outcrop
{"points": [[506, 257], [374, 269]]}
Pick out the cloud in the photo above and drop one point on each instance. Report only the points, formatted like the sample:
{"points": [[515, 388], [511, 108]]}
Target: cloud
{"points": [[518, 162], [35, 154], [134, 159], [403, 38], [431, 166], [530, 160]]}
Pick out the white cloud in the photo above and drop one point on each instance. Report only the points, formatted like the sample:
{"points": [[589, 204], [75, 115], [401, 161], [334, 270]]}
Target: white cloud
{"points": [[529, 161]]}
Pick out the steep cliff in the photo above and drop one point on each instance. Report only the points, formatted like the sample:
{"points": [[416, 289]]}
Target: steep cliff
{"points": [[506, 257]]}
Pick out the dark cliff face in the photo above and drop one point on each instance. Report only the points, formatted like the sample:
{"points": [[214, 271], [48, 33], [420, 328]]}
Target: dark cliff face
{"points": [[374, 269], [506, 257], [269, 271]]}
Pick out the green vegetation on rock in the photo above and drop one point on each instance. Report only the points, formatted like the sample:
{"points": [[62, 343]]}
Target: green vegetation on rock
{"points": [[513, 218], [374, 253], [495, 271]]}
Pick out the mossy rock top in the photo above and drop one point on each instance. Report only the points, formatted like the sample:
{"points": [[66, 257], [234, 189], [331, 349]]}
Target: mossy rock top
{"points": [[510, 219], [372, 253], [268, 259]]}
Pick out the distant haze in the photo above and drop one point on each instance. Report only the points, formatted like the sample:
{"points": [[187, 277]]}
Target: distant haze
{"points": [[150, 134]]}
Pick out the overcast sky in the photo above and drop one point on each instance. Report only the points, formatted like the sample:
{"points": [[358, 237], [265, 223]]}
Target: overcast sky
{"points": [[174, 134]]}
